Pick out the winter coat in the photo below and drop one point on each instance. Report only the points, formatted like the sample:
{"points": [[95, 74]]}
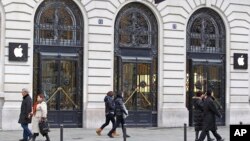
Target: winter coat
{"points": [[41, 112], [198, 113], [120, 109], [109, 105], [26, 108], [210, 113]]}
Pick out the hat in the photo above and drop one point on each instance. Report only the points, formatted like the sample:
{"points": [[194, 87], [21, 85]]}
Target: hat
{"points": [[25, 90]]}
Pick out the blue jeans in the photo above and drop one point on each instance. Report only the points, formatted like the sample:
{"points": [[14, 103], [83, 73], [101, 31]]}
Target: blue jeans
{"points": [[26, 131]]}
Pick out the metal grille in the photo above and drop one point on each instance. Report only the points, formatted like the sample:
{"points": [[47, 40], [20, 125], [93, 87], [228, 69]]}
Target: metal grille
{"points": [[58, 23], [206, 32], [136, 27]]}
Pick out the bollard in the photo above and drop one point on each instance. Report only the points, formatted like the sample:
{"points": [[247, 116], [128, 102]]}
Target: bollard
{"points": [[240, 122], [61, 132], [185, 132]]}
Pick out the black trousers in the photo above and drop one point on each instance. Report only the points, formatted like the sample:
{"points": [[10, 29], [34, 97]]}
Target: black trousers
{"points": [[109, 117], [119, 120], [205, 132]]}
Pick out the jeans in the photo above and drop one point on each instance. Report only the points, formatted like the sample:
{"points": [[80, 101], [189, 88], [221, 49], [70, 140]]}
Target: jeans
{"points": [[109, 117], [26, 131]]}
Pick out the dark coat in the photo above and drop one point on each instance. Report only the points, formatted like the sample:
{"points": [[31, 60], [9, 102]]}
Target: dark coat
{"points": [[210, 113], [109, 105], [26, 109], [198, 113], [119, 106]]}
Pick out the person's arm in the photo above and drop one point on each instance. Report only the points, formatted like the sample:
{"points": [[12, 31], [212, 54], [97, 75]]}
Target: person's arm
{"points": [[44, 110], [213, 108]]}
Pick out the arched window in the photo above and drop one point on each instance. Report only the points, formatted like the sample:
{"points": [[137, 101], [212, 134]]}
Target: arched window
{"points": [[58, 23], [136, 27], [205, 32]]}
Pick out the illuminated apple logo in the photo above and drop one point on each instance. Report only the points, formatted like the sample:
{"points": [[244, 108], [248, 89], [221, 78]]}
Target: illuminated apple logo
{"points": [[241, 60], [18, 51]]}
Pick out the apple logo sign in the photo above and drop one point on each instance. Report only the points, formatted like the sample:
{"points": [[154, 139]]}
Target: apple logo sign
{"points": [[18, 51], [241, 60]]}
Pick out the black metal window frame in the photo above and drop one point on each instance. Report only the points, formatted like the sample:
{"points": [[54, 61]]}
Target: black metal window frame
{"points": [[138, 24], [55, 27], [206, 33]]}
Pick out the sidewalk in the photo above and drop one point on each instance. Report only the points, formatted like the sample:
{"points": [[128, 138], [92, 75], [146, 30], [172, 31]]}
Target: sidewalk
{"points": [[137, 134]]}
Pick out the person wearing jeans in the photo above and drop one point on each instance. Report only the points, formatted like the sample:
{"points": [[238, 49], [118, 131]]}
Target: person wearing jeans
{"points": [[25, 117]]}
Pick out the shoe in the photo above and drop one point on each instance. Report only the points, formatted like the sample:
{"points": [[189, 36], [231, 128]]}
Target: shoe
{"points": [[210, 139], [30, 138], [115, 133], [98, 131], [21, 140], [127, 136], [110, 135], [221, 140]]}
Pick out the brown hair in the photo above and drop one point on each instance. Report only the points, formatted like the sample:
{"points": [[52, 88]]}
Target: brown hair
{"points": [[110, 93], [36, 102], [199, 93]]}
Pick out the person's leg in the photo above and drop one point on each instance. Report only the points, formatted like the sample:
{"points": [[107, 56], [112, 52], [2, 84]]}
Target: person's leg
{"points": [[216, 135], [202, 135], [112, 118], [196, 135], [34, 136], [106, 122], [208, 137], [47, 137], [26, 131], [99, 130], [124, 131], [118, 120]]}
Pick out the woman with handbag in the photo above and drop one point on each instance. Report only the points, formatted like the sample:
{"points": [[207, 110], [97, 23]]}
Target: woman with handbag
{"points": [[39, 115]]}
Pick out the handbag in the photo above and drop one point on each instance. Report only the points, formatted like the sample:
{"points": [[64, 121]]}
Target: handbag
{"points": [[44, 127]]}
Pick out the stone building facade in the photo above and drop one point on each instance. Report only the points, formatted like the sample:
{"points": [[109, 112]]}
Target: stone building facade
{"points": [[158, 54]]}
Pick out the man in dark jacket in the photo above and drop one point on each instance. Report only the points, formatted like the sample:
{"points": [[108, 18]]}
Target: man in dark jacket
{"points": [[25, 117], [209, 122], [198, 115], [120, 111], [109, 112]]}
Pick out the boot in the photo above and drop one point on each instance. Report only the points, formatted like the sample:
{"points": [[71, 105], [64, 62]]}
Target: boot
{"points": [[196, 135], [98, 131], [110, 135], [47, 137], [115, 133], [34, 136]]}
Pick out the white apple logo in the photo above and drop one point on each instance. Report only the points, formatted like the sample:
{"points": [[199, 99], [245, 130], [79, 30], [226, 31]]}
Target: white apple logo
{"points": [[18, 51], [241, 60]]}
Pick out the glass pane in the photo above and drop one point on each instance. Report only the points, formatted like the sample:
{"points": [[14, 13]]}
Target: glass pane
{"points": [[129, 85], [199, 78], [143, 85], [68, 98], [49, 81]]}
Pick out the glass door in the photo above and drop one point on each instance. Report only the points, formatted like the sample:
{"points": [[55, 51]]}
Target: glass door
{"points": [[204, 75], [61, 84], [138, 83]]}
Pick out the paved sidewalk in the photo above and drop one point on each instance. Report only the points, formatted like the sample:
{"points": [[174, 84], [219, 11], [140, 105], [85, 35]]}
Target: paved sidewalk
{"points": [[137, 134]]}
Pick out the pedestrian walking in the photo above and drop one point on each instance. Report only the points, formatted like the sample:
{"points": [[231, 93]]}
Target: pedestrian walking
{"points": [[121, 113], [198, 115], [24, 117], [109, 113], [209, 122], [39, 114]]}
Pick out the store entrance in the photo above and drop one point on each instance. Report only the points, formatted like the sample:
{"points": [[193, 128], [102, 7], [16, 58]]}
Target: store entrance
{"points": [[204, 74], [60, 81]]}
